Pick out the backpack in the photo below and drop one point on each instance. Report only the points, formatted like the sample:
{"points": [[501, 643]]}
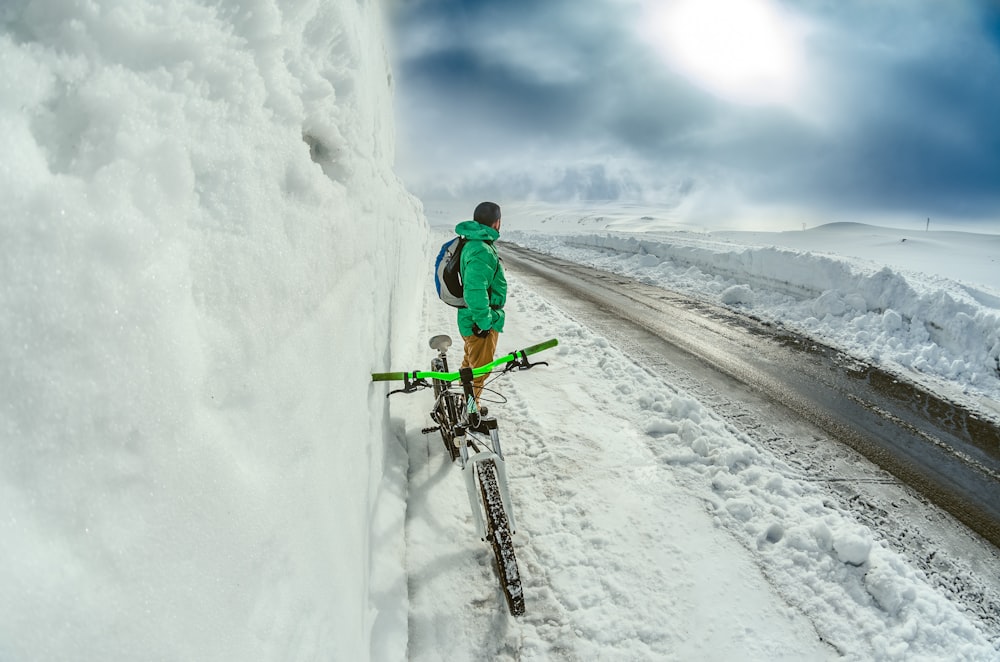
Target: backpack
{"points": [[448, 273]]}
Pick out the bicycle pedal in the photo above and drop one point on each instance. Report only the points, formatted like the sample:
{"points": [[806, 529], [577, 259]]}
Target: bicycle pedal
{"points": [[429, 430]]}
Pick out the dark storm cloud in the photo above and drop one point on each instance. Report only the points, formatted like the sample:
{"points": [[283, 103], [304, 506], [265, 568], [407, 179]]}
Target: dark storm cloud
{"points": [[561, 102], [505, 85], [917, 125], [491, 93]]}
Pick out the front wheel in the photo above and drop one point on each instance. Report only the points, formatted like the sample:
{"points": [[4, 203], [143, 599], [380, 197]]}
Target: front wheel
{"points": [[499, 536]]}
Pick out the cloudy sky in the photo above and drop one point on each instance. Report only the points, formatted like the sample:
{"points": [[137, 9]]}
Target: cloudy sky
{"points": [[838, 108]]}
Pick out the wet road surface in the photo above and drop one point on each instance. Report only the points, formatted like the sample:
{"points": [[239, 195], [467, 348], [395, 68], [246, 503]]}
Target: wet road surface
{"points": [[945, 453]]}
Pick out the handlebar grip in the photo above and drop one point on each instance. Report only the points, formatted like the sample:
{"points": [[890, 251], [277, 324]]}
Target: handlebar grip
{"points": [[388, 376], [534, 349]]}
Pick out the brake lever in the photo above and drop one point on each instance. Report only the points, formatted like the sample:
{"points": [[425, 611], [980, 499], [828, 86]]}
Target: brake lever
{"points": [[522, 363], [410, 387]]}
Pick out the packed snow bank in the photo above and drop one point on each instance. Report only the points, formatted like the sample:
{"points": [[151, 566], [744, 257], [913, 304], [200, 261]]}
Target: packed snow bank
{"points": [[927, 324], [204, 252]]}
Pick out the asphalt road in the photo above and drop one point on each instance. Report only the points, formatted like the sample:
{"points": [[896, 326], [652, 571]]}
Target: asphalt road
{"points": [[791, 394]]}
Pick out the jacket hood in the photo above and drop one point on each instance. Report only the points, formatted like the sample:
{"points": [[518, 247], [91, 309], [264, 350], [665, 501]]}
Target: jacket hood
{"points": [[474, 230]]}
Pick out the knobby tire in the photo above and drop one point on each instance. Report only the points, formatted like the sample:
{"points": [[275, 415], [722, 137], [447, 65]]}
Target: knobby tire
{"points": [[499, 536]]}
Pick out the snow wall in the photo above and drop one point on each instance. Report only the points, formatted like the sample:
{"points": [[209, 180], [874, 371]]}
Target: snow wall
{"points": [[204, 251]]}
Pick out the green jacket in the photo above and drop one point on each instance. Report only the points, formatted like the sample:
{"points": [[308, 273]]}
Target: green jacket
{"points": [[483, 280]]}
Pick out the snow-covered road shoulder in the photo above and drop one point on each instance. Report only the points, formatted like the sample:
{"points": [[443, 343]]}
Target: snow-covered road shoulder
{"points": [[649, 529]]}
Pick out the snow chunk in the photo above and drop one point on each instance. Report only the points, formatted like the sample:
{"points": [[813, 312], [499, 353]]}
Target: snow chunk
{"points": [[829, 303], [660, 427], [852, 547], [886, 582], [891, 320], [736, 295]]}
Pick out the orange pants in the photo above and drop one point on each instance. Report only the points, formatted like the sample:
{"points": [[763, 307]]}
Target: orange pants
{"points": [[479, 352]]}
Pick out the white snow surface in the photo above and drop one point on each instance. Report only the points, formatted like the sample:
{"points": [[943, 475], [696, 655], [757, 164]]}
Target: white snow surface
{"points": [[204, 254], [191, 465]]}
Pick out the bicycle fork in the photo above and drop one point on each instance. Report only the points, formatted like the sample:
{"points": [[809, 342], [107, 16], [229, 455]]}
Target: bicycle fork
{"points": [[469, 467]]}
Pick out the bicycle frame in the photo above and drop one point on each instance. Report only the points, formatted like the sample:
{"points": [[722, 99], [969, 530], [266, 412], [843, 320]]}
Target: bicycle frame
{"points": [[463, 430], [463, 427]]}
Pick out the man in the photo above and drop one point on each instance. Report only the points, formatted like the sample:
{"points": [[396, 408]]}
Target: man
{"points": [[485, 289]]}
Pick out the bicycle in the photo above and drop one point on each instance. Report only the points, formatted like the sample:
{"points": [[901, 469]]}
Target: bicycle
{"points": [[465, 428]]}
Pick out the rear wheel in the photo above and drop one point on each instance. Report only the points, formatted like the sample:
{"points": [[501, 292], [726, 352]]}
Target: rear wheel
{"points": [[499, 536]]}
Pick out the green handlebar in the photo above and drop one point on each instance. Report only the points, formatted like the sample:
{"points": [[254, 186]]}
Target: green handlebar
{"points": [[452, 376]]}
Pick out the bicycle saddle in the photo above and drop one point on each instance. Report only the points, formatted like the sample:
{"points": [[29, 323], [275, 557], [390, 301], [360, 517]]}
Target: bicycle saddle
{"points": [[440, 342]]}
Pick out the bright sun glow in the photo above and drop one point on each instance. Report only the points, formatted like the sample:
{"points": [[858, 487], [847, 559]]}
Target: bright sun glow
{"points": [[744, 51]]}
